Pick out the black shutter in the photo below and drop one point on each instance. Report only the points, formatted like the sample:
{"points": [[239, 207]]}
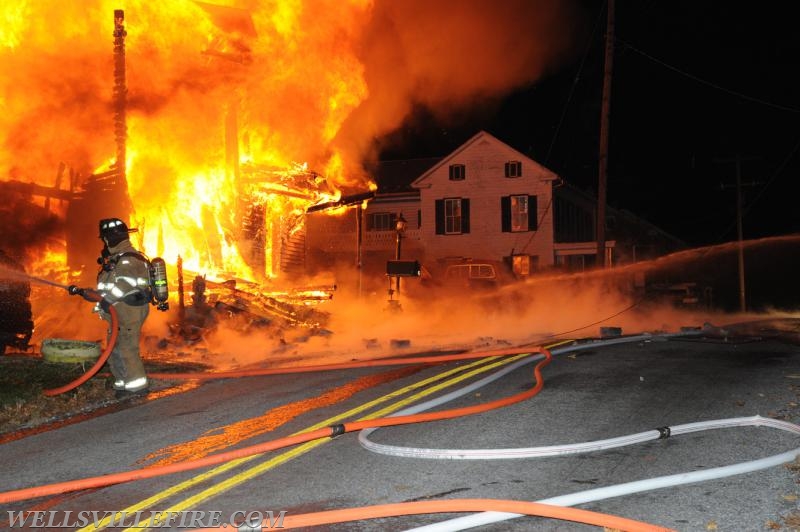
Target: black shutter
{"points": [[439, 217], [370, 222], [505, 214], [533, 214], [465, 216]]}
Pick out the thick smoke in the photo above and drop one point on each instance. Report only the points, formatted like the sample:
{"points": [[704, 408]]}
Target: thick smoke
{"points": [[454, 57], [309, 78], [536, 313], [541, 310]]}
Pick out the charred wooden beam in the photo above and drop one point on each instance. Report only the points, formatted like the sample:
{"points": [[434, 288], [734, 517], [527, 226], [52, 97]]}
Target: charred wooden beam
{"points": [[120, 94], [59, 176], [32, 189], [291, 310], [344, 201], [271, 188]]}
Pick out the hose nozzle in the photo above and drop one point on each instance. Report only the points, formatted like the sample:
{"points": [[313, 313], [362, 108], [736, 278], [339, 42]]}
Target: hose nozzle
{"points": [[86, 293], [75, 291]]}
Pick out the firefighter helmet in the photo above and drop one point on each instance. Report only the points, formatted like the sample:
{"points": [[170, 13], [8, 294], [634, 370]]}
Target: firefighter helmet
{"points": [[113, 231]]}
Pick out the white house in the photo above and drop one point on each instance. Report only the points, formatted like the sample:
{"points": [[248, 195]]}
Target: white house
{"points": [[487, 201]]}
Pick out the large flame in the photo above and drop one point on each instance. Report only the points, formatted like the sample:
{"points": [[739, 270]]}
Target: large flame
{"points": [[289, 75], [303, 89]]}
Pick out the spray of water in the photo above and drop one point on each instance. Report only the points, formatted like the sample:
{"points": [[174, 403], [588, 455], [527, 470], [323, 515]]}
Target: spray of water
{"points": [[559, 305], [20, 276]]}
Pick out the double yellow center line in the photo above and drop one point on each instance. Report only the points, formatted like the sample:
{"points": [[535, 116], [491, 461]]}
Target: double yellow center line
{"points": [[476, 368]]}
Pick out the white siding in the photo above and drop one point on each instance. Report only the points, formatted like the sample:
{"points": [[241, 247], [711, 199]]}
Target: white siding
{"points": [[484, 158]]}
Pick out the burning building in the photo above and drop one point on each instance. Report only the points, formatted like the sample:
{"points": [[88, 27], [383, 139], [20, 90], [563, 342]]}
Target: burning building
{"points": [[214, 128], [193, 167], [190, 169]]}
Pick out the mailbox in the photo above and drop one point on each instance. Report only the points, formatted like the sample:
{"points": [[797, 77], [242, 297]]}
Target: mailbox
{"points": [[403, 268]]}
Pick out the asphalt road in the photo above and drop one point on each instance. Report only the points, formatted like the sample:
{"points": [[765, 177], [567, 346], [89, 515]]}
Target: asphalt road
{"points": [[601, 392]]}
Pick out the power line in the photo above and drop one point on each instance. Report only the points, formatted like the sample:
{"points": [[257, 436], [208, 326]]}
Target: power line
{"points": [[541, 220], [575, 80], [574, 84], [706, 82], [763, 189]]}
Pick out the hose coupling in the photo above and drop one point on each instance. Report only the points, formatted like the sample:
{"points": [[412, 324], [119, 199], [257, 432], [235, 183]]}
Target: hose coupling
{"points": [[337, 430], [75, 290], [663, 432]]}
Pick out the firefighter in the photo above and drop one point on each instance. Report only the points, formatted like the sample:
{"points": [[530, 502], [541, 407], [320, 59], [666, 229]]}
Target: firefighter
{"points": [[124, 282]]}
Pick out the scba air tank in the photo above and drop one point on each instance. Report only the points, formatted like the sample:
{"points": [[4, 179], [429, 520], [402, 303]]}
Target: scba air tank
{"points": [[160, 288]]}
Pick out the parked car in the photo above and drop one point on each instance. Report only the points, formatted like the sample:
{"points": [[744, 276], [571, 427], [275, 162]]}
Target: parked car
{"points": [[681, 295], [471, 275]]}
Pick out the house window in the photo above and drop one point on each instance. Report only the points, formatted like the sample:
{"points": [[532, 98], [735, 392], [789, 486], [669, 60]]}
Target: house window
{"points": [[514, 169], [518, 213], [381, 221], [458, 172], [452, 216], [521, 265], [575, 263], [524, 265]]}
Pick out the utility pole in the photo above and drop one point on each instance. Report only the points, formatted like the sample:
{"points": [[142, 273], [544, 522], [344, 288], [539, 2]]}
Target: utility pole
{"points": [[120, 97], [739, 233], [400, 228], [604, 121], [359, 243]]}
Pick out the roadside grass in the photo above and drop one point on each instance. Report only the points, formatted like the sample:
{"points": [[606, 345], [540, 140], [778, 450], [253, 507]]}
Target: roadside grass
{"points": [[24, 378]]}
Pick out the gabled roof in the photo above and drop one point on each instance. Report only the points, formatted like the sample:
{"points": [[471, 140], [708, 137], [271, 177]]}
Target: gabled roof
{"points": [[397, 175], [480, 136]]}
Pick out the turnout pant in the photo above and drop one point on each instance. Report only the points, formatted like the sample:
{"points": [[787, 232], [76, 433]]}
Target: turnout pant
{"points": [[125, 360]]}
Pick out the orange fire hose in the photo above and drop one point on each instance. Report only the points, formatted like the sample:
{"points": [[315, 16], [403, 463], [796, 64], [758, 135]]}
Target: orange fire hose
{"points": [[332, 431], [91, 295], [346, 515]]}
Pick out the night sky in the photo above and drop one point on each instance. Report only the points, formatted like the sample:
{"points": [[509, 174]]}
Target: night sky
{"points": [[693, 83]]}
